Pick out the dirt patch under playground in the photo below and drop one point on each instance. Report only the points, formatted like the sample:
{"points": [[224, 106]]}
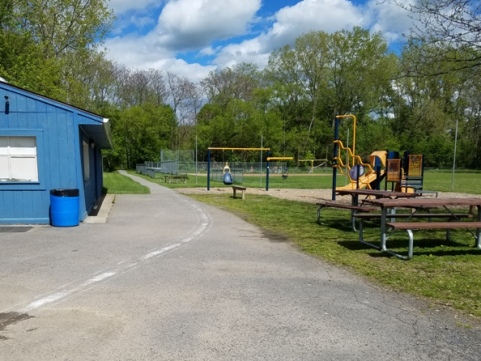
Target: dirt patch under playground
{"points": [[301, 195]]}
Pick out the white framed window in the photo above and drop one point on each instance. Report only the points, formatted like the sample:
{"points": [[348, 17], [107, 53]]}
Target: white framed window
{"points": [[18, 159]]}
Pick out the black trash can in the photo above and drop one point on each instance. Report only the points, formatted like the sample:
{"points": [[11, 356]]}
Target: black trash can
{"points": [[64, 207]]}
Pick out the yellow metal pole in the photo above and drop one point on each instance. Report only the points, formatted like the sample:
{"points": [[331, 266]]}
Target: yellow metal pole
{"points": [[354, 137], [353, 131], [279, 158], [228, 148]]}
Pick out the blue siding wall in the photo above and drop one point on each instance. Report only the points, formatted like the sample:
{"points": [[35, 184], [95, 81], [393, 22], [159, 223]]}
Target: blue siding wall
{"points": [[59, 153]]}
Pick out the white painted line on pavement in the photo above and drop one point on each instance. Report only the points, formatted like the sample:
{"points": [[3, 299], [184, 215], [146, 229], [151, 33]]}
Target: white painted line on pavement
{"points": [[198, 230], [204, 223], [99, 278], [45, 300], [160, 251]]}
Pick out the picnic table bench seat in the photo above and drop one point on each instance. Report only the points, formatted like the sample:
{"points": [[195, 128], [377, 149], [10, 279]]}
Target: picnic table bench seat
{"points": [[415, 215], [332, 204], [409, 227], [176, 177], [433, 225]]}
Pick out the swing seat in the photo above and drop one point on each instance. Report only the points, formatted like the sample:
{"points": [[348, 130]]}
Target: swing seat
{"points": [[228, 179]]}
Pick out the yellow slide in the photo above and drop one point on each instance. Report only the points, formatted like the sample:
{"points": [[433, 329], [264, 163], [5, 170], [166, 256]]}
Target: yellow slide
{"points": [[364, 181]]}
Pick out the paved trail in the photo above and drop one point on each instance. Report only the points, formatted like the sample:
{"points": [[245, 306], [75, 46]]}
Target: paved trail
{"points": [[168, 278]]}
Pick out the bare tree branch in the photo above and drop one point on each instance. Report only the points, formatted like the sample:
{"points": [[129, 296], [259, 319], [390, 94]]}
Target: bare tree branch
{"points": [[444, 31]]}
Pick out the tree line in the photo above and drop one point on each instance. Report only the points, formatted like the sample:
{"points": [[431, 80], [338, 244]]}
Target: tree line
{"points": [[424, 99]]}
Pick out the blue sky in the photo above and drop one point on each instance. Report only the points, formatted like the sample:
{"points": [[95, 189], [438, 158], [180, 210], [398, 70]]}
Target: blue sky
{"points": [[193, 37]]}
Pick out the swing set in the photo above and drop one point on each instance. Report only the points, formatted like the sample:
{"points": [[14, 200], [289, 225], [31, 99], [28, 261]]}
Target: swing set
{"points": [[227, 178], [226, 175], [322, 162], [284, 173]]}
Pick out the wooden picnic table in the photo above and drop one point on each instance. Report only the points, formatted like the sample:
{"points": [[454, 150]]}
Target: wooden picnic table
{"points": [[355, 193], [176, 177], [445, 208], [355, 207]]}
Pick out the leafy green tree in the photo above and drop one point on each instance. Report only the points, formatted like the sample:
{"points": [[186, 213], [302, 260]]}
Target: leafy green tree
{"points": [[46, 44], [428, 108], [441, 64], [325, 75], [139, 133], [237, 82], [22, 61], [360, 71], [239, 109], [469, 123]]}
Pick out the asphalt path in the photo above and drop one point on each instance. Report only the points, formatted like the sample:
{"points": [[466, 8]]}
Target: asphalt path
{"points": [[169, 278]]}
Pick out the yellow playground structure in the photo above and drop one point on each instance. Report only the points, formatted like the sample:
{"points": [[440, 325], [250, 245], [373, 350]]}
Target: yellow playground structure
{"points": [[404, 174], [360, 174]]}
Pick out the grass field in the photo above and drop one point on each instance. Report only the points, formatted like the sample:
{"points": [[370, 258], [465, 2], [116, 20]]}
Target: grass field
{"points": [[447, 274], [433, 180], [115, 183]]}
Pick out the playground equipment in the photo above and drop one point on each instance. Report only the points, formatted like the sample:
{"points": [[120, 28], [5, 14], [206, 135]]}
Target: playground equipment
{"points": [[284, 173], [413, 175], [227, 177], [322, 162], [360, 174], [217, 174], [405, 174], [364, 175]]}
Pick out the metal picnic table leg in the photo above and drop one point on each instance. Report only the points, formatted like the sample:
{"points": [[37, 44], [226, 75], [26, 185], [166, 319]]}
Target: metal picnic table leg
{"points": [[319, 214], [383, 228], [478, 230], [353, 220], [361, 237], [354, 202], [384, 236]]}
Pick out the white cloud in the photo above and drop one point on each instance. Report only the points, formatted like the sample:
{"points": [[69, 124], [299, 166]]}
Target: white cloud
{"points": [[202, 25], [307, 15], [290, 23], [141, 21], [134, 51], [142, 55], [389, 19], [208, 51], [194, 72], [192, 24], [249, 51], [326, 15], [182, 25]]}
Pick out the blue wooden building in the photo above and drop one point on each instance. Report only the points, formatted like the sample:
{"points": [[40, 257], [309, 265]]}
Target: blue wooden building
{"points": [[46, 145]]}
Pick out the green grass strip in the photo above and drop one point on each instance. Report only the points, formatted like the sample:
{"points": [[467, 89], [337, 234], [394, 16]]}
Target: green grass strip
{"points": [[116, 183]]}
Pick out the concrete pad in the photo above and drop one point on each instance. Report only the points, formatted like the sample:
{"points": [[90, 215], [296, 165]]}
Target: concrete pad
{"points": [[102, 214]]}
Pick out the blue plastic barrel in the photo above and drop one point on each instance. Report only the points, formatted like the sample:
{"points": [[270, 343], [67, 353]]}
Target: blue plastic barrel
{"points": [[64, 207]]}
